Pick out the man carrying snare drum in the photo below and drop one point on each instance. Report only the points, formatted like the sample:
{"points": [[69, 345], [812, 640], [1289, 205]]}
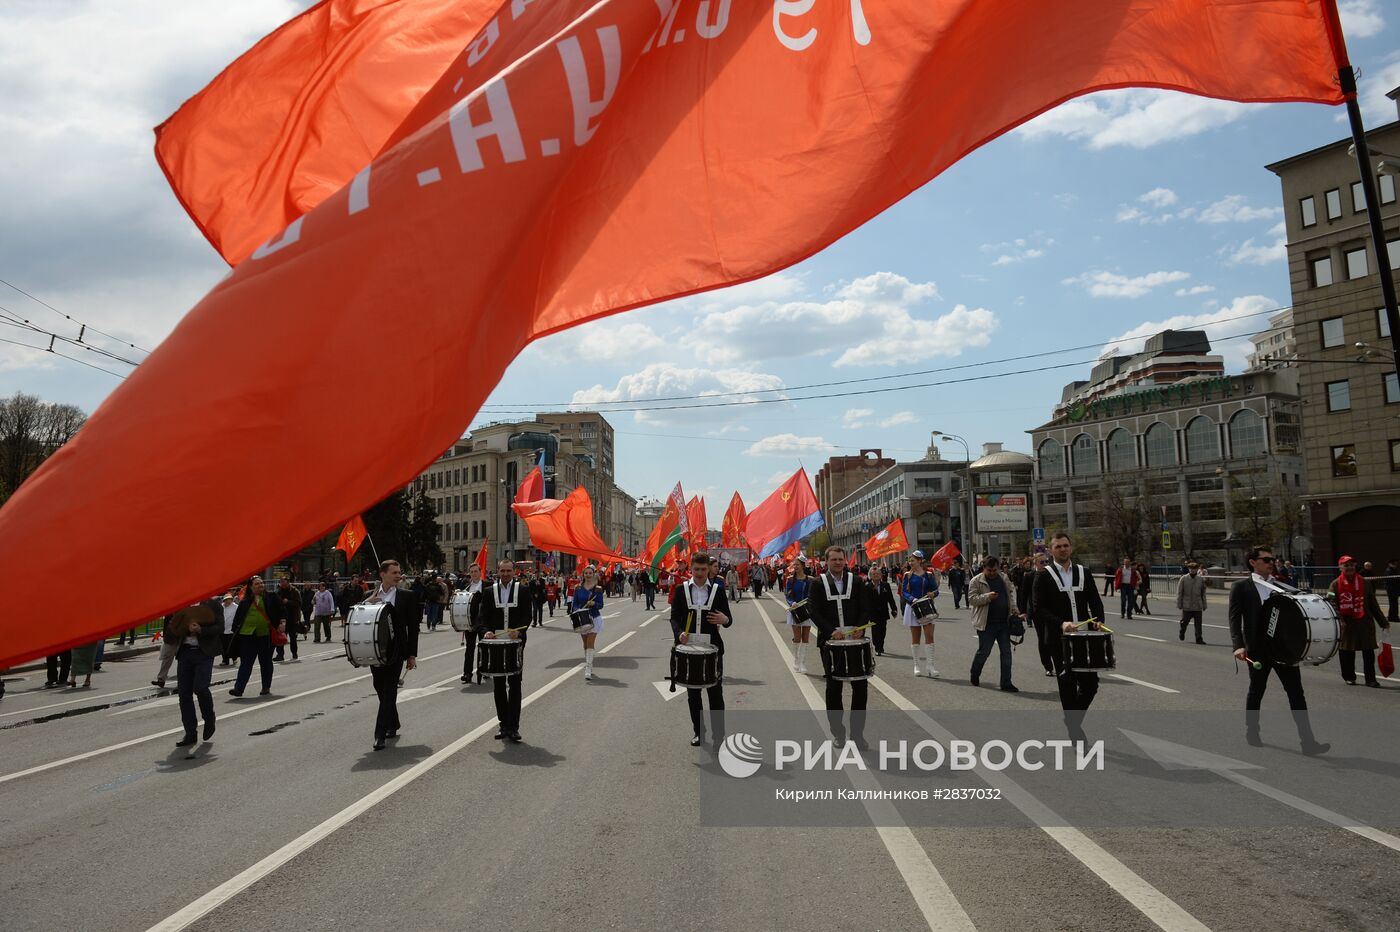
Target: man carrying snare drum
{"points": [[701, 590], [1067, 599], [839, 610], [506, 611]]}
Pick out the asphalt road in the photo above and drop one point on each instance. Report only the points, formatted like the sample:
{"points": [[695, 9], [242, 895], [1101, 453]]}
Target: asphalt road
{"points": [[288, 819]]}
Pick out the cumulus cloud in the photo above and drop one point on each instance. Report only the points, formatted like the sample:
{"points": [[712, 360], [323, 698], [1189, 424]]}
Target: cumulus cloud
{"points": [[876, 318], [856, 417], [1137, 118], [1224, 326], [1018, 250], [1112, 285], [789, 445], [1194, 290], [1250, 253], [665, 380], [1377, 107], [1158, 197], [1361, 19], [607, 340], [898, 418], [1234, 209]]}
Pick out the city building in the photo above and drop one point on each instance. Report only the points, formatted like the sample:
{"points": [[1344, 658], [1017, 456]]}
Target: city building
{"points": [[1213, 461], [1277, 346], [842, 475], [927, 496], [1347, 380], [1003, 481]]}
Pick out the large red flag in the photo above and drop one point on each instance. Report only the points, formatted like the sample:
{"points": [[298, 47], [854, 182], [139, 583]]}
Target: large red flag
{"points": [[482, 559], [695, 517], [351, 536], [732, 530], [567, 526], [587, 157], [890, 540], [531, 488], [786, 516]]}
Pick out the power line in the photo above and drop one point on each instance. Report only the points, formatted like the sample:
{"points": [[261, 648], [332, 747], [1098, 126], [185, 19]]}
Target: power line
{"points": [[10, 318], [83, 327], [51, 350]]}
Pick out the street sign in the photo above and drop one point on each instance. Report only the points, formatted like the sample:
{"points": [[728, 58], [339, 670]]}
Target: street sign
{"points": [[865, 527], [1038, 534], [1166, 540]]}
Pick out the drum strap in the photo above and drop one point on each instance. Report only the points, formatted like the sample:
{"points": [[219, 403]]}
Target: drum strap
{"points": [[697, 608], [839, 597], [1071, 591]]}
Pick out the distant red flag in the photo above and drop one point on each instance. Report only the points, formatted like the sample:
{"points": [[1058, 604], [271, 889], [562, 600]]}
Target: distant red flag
{"points": [[481, 557], [531, 488], [567, 526], [695, 517], [888, 541], [793, 552], [351, 537], [732, 530], [944, 556]]}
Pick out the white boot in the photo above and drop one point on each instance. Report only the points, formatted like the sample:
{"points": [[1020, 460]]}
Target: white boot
{"points": [[918, 651], [802, 657], [929, 670], [588, 663]]}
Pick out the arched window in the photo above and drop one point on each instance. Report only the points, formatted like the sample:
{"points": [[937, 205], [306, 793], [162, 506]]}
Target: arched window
{"points": [[1084, 455], [1202, 440], [1120, 451], [1160, 445], [1052, 459], [1246, 434]]}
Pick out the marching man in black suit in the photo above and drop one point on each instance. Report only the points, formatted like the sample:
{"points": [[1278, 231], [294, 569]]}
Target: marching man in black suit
{"points": [[1247, 636], [403, 648], [1065, 597], [838, 601], [710, 613], [505, 611]]}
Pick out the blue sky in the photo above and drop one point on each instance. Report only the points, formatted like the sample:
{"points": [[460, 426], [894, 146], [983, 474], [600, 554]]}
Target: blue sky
{"points": [[1112, 216]]}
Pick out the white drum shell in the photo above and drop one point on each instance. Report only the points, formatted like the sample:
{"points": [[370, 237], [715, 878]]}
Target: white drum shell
{"points": [[460, 610], [365, 635]]}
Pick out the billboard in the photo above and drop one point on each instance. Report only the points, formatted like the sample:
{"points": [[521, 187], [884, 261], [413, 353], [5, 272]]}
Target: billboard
{"points": [[732, 556], [997, 511]]}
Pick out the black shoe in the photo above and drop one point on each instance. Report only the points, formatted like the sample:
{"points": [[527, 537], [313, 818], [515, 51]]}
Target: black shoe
{"points": [[186, 741], [1374, 684], [514, 737], [1314, 748], [1199, 641], [379, 744], [696, 740], [501, 735], [1182, 635], [393, 734], [976, 680], [1253, 740], [1049, 672], [1010, 688], [466, 679], [1349, 682], [50, 685], [208, 730], [159, 683], [235, 694], [265, 692]]}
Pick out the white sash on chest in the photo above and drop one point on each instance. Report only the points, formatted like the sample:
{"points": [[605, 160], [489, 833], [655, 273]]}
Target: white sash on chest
{"points": [[698, 609], [838, 597], [511, 598], [1071, 592]]}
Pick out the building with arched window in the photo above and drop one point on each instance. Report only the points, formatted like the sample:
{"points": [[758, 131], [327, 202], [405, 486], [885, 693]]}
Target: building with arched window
{"points": [[1202, 453]]}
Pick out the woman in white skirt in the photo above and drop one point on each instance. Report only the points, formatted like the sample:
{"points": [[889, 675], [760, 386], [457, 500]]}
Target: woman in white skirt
{"points": [[589, 596], [796, 591], [917, 584]]}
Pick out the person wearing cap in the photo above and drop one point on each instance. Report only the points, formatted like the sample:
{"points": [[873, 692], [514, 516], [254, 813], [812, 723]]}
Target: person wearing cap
{"points": [[957, 579], [229, 607], [1191, 601], [1354, 597]]}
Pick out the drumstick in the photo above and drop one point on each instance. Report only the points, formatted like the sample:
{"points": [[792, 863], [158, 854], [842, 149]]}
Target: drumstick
{"points": [[1252, 662]]}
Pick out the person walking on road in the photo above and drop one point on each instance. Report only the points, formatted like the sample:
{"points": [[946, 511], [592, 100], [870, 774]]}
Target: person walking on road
{"points": [[1109, 578], [1392, 591], [839, 610], [291, 615], [403, 648], [699, 606], [505, 611], [259, 613], [957, 581], [228, 609], [917, 584], [1144, 586], [474, 586], [992, 598], [168, 650], [1066, 599], [589, 596], [1125, 579], [1191, 600], [1354, 597], [194, 668], [649, 589], [58, 666], [798, 589], [1247, 635], [322, 608], [882, 606]]}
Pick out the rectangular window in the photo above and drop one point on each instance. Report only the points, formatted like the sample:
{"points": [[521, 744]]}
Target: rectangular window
{"points": [[1321, 271], [1356, 263], [1339, 395], [1334, 204], [1392, 252], [1358, 197], [1395, 456], [1382, 324], [1055, 498], [1307, 207], [1203, 484], [1332, 333], [1344, 461], [1387, 188], [1207, 511], [1392, 389]]}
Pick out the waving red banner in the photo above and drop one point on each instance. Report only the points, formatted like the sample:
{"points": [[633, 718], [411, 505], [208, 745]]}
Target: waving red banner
{"points": [[890, 540], [567, 526], [579, 158], [732, 530]]}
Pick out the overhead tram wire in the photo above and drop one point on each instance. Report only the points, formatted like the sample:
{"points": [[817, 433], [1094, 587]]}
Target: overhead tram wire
{"points": [[83, 327], [54, 352], [10, 318], [506, 408]]}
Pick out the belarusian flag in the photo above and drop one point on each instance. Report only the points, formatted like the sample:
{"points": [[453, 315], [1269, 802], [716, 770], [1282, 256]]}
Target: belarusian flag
{"points": [[671, 529]]}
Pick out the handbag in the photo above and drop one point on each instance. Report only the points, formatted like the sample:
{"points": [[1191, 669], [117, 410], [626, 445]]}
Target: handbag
{"points": [[1385, 663], [279, 638], [1017, 626]]}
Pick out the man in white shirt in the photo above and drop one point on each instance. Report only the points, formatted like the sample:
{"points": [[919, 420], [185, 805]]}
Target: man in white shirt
{"points": [[230, 608]]}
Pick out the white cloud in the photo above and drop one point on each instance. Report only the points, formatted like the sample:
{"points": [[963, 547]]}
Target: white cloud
{"points": [[1194, 290], [789, 445], [1250, 253], [1158, 197], [1376, 107], [1233, 209], [1224, 326], [873, 317], [664, 380], [608, 340], [898, 418], [1361, 19], [855, 417], [1010, 258], [1112, 285], [1138, 118]]}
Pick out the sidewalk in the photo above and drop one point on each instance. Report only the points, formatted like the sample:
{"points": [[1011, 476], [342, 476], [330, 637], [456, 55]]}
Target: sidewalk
{"points": [[109, 653]]}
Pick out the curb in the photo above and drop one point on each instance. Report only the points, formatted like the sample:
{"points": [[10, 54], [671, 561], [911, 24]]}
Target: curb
{"points": [[109, 655]]}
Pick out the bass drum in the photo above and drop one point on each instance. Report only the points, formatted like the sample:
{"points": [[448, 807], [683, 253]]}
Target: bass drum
{"points": [[1301, 628], [369, 631], [460, 610]]}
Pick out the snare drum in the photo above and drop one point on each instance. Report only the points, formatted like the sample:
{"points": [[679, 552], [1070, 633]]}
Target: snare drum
{"points": [[582, 619], [801, 612], [369, 633], [695, 666], [923, 608], [848, 660], [500, 657], [1087, 650], [1301, 628], [460, 610]]}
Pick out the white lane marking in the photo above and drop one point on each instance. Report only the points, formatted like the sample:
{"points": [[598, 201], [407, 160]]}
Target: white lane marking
{"points": [[1143, 637], [153, 704], [931, 892], [6, 778], [664, 687], [612, 614], [1151, 902], [1326, 815], [1129, 679]]}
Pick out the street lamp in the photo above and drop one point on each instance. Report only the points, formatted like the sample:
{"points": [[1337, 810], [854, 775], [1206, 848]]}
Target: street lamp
{"points": [[971, 496]]}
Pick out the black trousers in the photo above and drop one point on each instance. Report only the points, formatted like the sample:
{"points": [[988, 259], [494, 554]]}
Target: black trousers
{"points": [[1077, 688], [469, 656], [716, 696], [1347, 659], [386, 685], [539, 613], [322, 625], [58, 666], [1291, 679], [1043, 644], [508, 701], [877, 634], [227, 652], [193, 668], [860, 691], [1187, 618]]}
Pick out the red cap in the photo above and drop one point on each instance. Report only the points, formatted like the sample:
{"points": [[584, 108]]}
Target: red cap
{"points": [[1345, 560]]}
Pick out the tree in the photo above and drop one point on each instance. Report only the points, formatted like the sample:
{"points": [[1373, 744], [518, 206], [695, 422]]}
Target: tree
{"points": [[31, 431], [1269, 512], [423, 550], [388, 526], [818, 542], [1126, 528]]}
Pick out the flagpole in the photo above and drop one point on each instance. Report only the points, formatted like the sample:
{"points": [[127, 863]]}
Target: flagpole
{"points": [[372, 549]]}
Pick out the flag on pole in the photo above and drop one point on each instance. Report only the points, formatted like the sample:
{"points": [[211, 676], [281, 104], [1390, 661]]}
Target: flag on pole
{"points": [[590, 113], [481, 557], [566, 525], [351, 536], [944, 556], [890, 540], [532, 486], [732, 530], [786, 516], [793, 552], [695, 517], [670, 530]]}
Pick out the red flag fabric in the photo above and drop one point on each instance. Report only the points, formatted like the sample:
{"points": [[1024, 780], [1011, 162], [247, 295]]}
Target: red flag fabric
{"points": [[944, 556], [793, 552], [732, 530], [587, 157], [786, 516], [890, 540], [670, 529], [481, 557], [531, 488], [295, 118], [567, 526], [351, 536], [695, 517]]}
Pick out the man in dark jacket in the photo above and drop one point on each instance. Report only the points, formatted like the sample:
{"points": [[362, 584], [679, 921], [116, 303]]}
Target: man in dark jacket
{"points": [[700, 606], [403, 648], [1065, 598], [291, 612], [838, 603], [202, 642], [881, 605]]}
